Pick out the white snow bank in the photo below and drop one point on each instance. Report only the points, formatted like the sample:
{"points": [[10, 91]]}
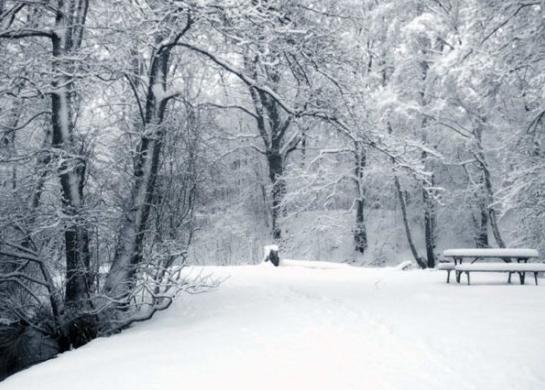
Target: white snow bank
{"points": [[321, 265], [304, 327], [404, 265], [491, 252]]}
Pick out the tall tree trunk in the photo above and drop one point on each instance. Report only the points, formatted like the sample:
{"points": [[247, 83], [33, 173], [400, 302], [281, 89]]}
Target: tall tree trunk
{"points": [[72, 178], [360, 231], [69, 22], [272, 129], [427, 200], [276, 170], [430, 220], [481, 222]]}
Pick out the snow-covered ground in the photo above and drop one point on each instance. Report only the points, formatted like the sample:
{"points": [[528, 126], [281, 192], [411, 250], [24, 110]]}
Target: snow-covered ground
{"points": [[321, 326]]}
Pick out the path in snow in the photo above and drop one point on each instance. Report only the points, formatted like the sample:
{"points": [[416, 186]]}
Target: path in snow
{"points": [[321, 326]]}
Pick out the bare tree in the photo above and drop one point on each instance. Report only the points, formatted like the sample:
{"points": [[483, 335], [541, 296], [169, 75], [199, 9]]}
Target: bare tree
{"points": [[63, 27], [129, 249]]}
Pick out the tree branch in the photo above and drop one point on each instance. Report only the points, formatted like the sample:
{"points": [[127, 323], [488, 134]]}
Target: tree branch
{"points": [[25, 33], [245, 110], [24, 124]]}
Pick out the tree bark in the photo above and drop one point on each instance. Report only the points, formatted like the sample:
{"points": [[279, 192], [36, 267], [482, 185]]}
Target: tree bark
{"points": [[360, 231], [7, 144], [66, 41], [481, 237], [430, 221], [429, 228], [276, 170]]}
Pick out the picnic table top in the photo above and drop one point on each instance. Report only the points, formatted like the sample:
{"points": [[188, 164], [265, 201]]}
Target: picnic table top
{"points": [[491, 252]]}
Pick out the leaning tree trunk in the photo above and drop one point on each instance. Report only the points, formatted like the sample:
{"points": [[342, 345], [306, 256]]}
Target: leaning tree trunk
{"points": [[360, 231], [129, 250], [486, 181], [128, 253], [402, 202], [490, 202]]}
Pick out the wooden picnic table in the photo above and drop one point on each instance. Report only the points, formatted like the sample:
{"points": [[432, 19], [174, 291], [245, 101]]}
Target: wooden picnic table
{"points": [[507, 255]]}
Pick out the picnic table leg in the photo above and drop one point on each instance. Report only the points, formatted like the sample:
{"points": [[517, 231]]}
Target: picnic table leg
{"points": [[535, 277], [448, 276], [521, 276], [509, 278], [458, 276], [467, 273]]}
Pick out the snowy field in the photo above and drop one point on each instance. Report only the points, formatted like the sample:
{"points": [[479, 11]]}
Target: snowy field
{"points": [[321, 326]]}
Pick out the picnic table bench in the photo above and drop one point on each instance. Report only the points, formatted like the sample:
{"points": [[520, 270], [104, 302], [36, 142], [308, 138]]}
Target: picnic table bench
{"points": [[507, 255]]}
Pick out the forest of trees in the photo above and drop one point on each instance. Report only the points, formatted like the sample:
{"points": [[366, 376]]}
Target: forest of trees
{"points": [[135, 134]]}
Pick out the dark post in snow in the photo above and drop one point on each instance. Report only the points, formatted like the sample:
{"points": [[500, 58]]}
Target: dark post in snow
{"points": [[271, 254]]}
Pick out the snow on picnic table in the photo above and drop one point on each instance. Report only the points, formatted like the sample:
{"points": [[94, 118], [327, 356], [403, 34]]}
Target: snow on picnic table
{"points": [[491, 252], [309, 325]]}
